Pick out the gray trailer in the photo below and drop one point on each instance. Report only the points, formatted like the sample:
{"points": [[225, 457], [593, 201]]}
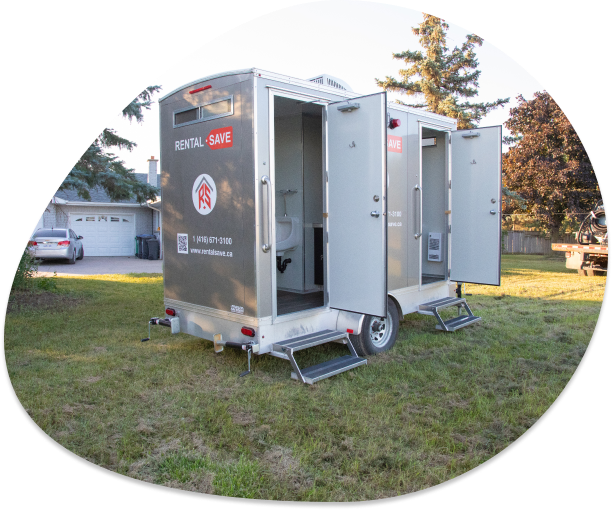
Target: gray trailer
{"points": [[297, 212]]}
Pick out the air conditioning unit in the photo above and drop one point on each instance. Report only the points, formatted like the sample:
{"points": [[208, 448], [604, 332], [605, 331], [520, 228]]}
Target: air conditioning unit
{"points": [[331, 81]]}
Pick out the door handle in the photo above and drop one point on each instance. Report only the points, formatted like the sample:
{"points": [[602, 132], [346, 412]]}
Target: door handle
{"points": [[493, 212], [265, 180], [375, 214], [418, 226]]}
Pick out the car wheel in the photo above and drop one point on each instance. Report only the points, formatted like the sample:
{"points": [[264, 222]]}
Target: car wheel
{"points": [[377, 335], [80, 257], [73, 259]]}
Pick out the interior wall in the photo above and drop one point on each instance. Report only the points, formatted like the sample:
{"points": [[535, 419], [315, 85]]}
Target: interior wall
{"points": [[313, 192], [434, 200], [288, 175]]}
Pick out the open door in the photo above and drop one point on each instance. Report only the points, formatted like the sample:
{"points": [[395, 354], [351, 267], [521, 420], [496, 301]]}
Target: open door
{"points": [[357, 204], [476, 206]]}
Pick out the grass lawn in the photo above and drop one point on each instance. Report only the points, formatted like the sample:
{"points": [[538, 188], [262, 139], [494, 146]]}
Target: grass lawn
{"points": [[171, 411]]}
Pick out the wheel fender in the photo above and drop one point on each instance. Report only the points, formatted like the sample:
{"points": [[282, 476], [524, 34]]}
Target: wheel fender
{"points": [[350, 322]]}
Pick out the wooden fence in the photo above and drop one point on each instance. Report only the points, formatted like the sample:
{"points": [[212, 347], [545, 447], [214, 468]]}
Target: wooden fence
{"points": [[518, 241]]}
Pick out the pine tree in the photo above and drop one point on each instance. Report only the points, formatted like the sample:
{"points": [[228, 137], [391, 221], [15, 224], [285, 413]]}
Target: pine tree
{"points": [[548, 165], [441, 76], [98, 167]]}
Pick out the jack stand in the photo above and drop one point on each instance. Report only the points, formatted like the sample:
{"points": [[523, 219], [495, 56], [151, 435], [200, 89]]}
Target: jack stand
{"points": [[219, 343], [149, 337], [171, 323], [249, 350]]}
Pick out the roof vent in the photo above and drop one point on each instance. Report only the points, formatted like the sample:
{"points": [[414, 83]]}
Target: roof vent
{"points": [[331, 81]]}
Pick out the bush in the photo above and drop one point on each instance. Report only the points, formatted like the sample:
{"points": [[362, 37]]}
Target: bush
{"points": [[26, 270], [26, 273]]}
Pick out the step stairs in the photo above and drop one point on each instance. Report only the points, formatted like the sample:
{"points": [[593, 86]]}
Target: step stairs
{"points": [[310, 375], [461, 321]]}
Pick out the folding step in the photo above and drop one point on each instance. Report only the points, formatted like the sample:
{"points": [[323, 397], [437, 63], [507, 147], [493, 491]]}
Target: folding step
{"points": [[304, 342], [285, 349], [328, 368], [461, 321]]}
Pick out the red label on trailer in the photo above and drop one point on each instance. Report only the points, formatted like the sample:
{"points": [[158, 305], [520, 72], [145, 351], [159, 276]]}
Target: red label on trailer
{"points": [[394, 143], [220, 138]]}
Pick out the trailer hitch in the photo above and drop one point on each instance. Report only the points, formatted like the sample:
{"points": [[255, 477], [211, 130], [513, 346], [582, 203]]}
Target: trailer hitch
{"points": [[219, 343]]}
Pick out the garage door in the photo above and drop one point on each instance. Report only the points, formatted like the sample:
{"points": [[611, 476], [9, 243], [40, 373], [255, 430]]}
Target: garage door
{"points": [[105, 234]]}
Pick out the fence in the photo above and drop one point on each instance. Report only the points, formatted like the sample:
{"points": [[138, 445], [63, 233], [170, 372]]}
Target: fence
{"points": [[535, 243]]}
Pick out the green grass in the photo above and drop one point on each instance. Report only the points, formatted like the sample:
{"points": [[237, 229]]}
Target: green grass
{"points": [[170, 411]]}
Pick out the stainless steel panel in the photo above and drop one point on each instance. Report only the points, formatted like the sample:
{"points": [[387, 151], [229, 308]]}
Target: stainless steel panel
{"points": [[476, 190], [357, 247], [199, 277]]}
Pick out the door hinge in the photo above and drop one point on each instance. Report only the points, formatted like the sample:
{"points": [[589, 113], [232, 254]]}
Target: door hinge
{"points": [[326, 237], [450, 137], [449, 184], [449, 229], [448, 273]]}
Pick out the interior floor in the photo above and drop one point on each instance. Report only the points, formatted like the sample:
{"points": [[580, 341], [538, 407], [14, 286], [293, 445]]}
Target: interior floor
{"points": [[290, 302], [427, 278]]}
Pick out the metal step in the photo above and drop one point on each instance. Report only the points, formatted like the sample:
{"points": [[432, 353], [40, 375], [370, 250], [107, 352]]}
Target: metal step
{"points": [[304, 342], [458, 322], [461, 321], [439, 304], [328, 368], [311, 375]]}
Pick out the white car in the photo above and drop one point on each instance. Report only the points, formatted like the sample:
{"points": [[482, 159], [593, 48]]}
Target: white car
{"points": [[57, 243]]}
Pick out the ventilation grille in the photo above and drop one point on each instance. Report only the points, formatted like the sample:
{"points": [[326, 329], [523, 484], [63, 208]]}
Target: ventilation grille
{"points": [[330, 81]]}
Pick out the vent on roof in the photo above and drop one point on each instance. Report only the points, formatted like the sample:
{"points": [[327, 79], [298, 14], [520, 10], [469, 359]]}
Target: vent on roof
{"points": [[331, 81]]}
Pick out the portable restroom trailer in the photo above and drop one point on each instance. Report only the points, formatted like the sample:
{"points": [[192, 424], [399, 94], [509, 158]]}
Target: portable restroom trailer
{"points": [[298, 212]]}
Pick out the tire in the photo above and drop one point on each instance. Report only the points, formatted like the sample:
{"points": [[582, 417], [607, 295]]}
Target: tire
{"points": [[73, 259], [80, 257], [377, 335]]}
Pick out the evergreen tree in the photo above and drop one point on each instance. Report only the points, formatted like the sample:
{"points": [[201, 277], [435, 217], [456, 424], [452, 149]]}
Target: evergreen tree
{"points": [[548, 165], [97, 167], [441, 76]]}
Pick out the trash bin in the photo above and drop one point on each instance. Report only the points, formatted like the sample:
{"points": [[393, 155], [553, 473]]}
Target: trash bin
{"points": [[143, 247], [153, 245]]}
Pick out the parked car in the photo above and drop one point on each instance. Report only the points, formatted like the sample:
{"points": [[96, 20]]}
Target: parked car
{"points": [[57, 243]]}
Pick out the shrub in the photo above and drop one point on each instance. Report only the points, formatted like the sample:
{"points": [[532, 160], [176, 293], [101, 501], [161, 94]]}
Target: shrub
{"points": [[26, 270]]}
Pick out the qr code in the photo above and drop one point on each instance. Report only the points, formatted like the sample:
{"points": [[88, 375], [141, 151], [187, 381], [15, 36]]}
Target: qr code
{"points": [[182, 243]]}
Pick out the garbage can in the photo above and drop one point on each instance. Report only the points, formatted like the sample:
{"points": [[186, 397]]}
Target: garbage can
{"points": [[143, 247], [153, 245]]}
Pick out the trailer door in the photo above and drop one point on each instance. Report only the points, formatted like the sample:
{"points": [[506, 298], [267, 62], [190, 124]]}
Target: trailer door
{"points": [[476, 206], [357, 204]]}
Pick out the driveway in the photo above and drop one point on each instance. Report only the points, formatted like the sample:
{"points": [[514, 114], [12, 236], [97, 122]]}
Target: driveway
{"points": [[100, 265]]}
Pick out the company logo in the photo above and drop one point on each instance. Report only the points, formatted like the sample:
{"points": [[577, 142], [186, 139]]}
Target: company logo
{"points": [[204, 194], [220, 138], [394, 143]]}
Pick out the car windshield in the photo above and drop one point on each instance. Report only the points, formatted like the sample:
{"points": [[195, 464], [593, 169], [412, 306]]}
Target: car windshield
{"points": [[47, 232]]}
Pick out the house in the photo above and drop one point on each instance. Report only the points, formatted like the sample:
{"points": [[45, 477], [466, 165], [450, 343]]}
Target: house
{"points": [[108, 228]]}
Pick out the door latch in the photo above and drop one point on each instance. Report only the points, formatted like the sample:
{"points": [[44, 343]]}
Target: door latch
{"points": [[375, 214]]}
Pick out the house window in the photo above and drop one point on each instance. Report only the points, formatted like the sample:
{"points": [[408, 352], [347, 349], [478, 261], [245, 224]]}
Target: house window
{"points": [[114, 219], [102, 218], [79, 219], [90, 218], [126, 221]]}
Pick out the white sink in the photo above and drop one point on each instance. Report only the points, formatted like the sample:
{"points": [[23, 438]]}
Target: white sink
{"points": [[288, 234]]}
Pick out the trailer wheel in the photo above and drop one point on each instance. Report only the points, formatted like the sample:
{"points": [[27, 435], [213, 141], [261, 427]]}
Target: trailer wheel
{"points": [[377, 335]]}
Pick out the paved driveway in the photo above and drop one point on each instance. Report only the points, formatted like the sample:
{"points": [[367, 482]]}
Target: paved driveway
{"points": [[100, 265]]}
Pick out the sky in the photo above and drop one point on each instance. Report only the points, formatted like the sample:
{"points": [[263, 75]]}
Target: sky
{"points": [[338, 49]]}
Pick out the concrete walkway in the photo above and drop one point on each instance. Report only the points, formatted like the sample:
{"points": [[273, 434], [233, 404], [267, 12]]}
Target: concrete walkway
{"points": [[100, 265]]}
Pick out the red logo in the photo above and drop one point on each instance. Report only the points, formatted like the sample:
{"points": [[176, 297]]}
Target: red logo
{"points": [[220, 138], [394, 143]]}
